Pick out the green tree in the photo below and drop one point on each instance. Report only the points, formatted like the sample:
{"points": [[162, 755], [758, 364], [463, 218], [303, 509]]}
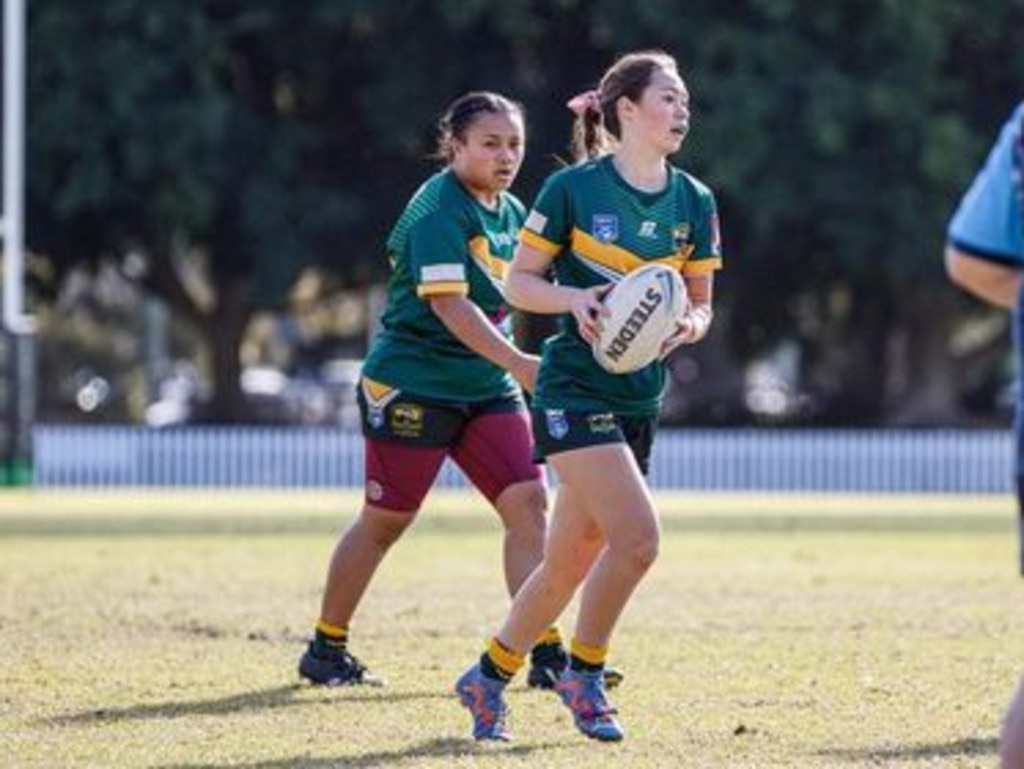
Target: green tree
{"points": [[177, 133], [241, 141], [855, 142]]}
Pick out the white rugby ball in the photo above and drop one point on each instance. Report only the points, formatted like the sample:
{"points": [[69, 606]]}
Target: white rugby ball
{"points": [[643, 308]]}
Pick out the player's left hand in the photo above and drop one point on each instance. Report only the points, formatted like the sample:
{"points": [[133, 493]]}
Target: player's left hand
{"points": [[690, 328]]}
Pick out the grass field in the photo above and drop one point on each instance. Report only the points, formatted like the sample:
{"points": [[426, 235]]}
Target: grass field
{"points": [[162, 630]]}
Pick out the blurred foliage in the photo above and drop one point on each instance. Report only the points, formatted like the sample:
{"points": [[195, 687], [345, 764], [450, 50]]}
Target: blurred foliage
{"points": [[247, 140]]}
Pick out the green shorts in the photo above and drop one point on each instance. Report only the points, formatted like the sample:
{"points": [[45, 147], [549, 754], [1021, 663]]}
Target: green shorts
{"points": [[556, 430], [413, 420]]}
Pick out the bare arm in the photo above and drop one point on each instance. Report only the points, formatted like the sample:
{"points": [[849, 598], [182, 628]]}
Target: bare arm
{"points": [[997, 284], [699, 288], [467, 323], [528, 288], [696, 320]]}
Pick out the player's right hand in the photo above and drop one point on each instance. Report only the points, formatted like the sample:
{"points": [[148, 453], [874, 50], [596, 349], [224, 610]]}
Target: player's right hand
{"points": [[588, 308]]}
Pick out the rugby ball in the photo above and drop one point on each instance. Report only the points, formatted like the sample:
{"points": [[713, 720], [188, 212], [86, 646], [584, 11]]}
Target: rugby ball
{"points": [[643, 308]]}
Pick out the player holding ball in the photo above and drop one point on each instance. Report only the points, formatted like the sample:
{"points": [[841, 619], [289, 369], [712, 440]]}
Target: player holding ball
{"points": [[620, 207]]}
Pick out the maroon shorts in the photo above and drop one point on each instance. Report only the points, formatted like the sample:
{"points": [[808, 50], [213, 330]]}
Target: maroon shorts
{"points": [[408, 440]]}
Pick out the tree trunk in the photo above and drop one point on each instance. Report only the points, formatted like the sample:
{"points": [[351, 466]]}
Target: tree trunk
{"points": [[847, 372], [923, 386], [224, 334]]}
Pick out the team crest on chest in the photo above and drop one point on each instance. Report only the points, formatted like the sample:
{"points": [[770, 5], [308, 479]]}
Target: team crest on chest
{"points": [[681, 235], [503, 241], [606, 227]]}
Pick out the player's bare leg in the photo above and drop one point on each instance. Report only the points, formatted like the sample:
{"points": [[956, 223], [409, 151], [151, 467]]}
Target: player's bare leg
{"points": [[355, 560], [523, 511], [1011, 748]]}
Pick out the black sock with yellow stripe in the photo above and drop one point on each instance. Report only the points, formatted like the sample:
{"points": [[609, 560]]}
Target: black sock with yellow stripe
{"points": [[330, 638], [549, 649], [499, 662], [587, 657]]}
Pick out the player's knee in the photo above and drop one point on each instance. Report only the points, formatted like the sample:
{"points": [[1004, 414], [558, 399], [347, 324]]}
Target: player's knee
{"points": [[523, 509], [638, 553], [385, 527], [645, 553]]}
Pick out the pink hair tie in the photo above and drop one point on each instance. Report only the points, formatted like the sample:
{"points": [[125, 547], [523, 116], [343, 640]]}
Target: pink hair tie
{"points": [[588, 100]]}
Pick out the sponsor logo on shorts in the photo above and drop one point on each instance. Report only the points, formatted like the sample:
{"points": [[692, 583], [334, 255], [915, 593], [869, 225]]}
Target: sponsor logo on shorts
{"points": [[407, 420], [558, 425], [374, 491], [601, 424]]}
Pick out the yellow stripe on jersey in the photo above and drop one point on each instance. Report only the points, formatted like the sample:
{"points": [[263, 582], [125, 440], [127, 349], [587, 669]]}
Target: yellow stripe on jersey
{"points": [[532, 239], [480, 249], [615, 258], [443, 288], [702, 266]]}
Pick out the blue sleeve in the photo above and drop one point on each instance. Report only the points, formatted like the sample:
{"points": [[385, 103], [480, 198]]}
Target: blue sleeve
{"points": [[988, 220]]}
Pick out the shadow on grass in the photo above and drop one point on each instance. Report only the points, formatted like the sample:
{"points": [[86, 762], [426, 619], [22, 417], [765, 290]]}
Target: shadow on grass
{"points": [[264, 699], [71, 527], [438, 748], [965, 748]]}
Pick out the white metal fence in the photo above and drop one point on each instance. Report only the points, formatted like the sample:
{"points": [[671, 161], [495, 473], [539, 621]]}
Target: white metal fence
{"points": [[953, 461]]}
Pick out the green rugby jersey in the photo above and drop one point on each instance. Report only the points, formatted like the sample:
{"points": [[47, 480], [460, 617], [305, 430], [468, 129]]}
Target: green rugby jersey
{"points": [[445, 242], [598, 228]]}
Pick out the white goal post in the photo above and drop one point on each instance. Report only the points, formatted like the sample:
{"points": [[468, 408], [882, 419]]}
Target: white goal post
{"points": [[12, 223]]}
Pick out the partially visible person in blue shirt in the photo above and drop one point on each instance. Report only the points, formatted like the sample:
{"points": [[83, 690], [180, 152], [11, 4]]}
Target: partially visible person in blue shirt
{"points": [[985, 256]]}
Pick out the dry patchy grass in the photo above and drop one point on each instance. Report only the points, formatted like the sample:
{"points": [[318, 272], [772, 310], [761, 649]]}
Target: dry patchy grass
{"points": [[161, 629]]}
